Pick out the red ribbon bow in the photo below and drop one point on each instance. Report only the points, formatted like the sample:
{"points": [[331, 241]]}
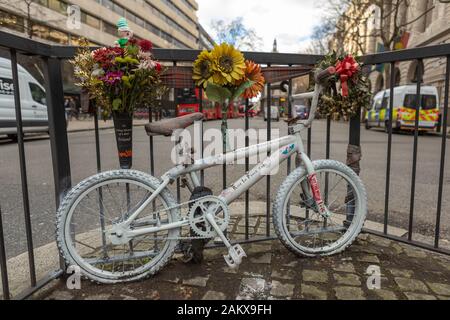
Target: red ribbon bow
{"points": [[346, 69]]}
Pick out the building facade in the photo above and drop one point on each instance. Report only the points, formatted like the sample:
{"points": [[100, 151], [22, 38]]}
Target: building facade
{"points": [[167, 23], [419, 23]]}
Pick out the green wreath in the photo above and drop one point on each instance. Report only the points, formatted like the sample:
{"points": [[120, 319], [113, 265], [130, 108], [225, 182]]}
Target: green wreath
{"points": [[354, 94]]}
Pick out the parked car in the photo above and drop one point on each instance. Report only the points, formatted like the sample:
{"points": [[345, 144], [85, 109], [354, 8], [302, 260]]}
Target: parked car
{"points": [[301, 111], [274, 113], [33, 103], [404, 109]]}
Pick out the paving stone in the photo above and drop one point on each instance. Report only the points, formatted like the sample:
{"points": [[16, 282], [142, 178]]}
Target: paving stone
{"points": [[315, 276], [214, 295], [292, 264], [411, 285], [385, 294], [281, 289], [258, 248], [253, 275], [60, 295], [345, 267], [415, 253], [402, 273], [241, 230], [363, 236], [397, 249], [370, 259], [380, 241], [283, 274], [264, 259], [348, 279], [229, 270], [196, 282], [252, 222], [440, 288], [154, 295], [312, 292], [98, 297], [349, 293], [252, 289], [212, 254], [419, 296]]}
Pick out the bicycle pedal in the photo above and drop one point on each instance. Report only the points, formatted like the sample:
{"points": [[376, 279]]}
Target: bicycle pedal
{"points": [[234, 256]]}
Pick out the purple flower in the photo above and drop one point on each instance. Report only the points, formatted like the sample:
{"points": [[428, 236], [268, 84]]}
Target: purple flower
{"points": [[112, 78]]}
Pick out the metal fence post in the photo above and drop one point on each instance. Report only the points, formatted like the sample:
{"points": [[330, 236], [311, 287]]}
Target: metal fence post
{"points": [[3, 264], [57, 127], [58, 130]]}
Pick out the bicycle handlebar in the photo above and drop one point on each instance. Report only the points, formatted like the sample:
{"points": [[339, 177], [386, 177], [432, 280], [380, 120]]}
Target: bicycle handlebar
{"points": [[319, 78], [322, 75]]}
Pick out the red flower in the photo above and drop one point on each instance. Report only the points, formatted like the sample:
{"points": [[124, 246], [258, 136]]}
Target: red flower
{"points": [[158, 67], [106, 56], [145, 45], [346, 69], [132, 41]]}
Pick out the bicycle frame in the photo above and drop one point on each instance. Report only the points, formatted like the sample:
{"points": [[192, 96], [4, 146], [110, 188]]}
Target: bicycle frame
{"points": [[286, 146]]}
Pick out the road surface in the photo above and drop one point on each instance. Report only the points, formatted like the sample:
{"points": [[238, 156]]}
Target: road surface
{"points": [[83, 164]]}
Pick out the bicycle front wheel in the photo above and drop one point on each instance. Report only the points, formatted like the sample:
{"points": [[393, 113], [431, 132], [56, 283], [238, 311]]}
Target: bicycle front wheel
{"points": [[90, 210], [297, 221]]}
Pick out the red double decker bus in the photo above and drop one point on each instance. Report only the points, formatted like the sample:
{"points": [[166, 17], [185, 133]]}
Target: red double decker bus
{"points": [[188, 101]]}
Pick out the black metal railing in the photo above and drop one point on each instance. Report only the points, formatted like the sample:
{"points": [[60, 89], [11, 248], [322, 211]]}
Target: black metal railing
{"points": [[53, 56]]}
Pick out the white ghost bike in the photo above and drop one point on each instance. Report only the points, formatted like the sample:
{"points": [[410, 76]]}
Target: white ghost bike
{"points": [[125, 225]]}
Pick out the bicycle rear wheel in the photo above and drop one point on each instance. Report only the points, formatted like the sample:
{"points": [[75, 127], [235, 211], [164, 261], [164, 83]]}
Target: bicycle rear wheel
{"points": [[95, 205], [300, 226]]}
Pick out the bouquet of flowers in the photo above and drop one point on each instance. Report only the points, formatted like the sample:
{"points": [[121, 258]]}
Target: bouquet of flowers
{"points": [[120, 79], [226, 76], [354, 90]]}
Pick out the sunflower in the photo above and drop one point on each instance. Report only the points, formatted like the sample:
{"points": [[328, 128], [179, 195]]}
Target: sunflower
{"points": [[229, 65], [253, 73], [203, 71]]}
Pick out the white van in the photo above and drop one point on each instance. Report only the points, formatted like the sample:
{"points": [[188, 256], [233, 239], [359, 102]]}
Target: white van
{"points": [[32, 96], [404, 111]]}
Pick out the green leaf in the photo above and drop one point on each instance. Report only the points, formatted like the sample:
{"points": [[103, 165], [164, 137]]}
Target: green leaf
{"points": [[239, 91], [116, 104], [217, 93]]}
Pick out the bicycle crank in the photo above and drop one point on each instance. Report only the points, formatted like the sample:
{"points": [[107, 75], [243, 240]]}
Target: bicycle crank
{"points": [[235, 253]]}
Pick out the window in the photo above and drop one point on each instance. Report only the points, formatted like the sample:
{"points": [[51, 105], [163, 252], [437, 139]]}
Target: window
{"points": [[385, 103], [11, 21], [109, 28], [377, 104], [37, 93], [429, 102], [90, 20]]}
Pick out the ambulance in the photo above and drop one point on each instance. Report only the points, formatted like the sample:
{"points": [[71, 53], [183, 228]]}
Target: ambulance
{"points": [[404, 111]]}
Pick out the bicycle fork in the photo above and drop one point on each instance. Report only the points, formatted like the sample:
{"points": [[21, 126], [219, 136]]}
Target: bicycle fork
{"points": [[311, 190]]}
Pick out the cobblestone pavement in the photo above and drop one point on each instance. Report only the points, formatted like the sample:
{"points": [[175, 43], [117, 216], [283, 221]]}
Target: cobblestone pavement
{"points": [[272, 272]]}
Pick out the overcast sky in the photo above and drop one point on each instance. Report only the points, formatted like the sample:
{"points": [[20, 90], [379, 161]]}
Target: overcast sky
{"points": [[290, 21]]}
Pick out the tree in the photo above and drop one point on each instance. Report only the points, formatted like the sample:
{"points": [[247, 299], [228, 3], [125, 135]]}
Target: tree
{"points": [[354, 22], [237, 34], [350, 20]]}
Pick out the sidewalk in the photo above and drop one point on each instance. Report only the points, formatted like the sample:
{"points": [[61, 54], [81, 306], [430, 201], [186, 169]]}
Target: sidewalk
{"points": [[272, 272], [87, 125]]}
